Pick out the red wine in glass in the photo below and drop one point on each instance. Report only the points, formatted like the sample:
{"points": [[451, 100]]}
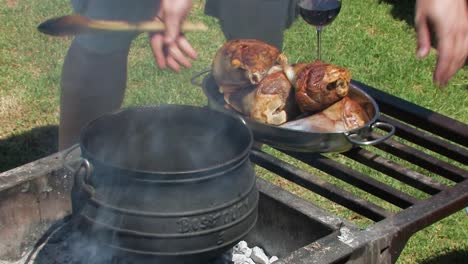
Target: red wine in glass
{"points": [[319, 13]]}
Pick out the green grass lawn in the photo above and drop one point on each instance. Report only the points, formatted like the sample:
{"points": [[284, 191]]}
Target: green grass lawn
{"points": [[374, 39]]}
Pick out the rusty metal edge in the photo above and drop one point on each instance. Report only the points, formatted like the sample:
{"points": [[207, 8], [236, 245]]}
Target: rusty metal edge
{"points": [[30, 171]]}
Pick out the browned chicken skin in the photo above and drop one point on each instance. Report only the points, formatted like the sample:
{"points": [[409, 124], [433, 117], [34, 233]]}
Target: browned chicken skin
{"points": [[271, 101], [257, 81], [344, 115], [242, 62], [318, 85]]}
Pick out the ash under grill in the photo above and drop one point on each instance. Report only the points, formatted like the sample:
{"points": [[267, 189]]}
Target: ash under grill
{"points": [[65, 245], [35, 198], [292, 225]]}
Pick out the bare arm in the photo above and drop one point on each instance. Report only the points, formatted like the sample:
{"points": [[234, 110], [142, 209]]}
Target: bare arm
{"points": [[449, 21]]}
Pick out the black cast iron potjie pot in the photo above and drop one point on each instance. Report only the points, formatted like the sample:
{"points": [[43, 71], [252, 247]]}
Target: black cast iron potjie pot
{"points": [[171, 182]]}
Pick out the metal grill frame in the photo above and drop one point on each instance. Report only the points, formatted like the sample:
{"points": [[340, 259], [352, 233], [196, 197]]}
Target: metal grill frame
{"points": [[381, 242]]}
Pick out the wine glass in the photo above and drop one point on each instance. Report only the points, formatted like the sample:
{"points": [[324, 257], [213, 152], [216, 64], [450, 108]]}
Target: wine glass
{"points": [[319, 13]]}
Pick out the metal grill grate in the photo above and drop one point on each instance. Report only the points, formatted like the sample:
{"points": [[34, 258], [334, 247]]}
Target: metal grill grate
{"points": [[421, 131]]}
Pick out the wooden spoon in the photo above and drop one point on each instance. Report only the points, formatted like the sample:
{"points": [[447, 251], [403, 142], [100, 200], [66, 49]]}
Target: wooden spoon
{"points": [[76, 24]]}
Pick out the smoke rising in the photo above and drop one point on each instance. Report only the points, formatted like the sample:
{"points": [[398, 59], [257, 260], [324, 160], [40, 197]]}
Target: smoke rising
{"points": [[133, 151]]}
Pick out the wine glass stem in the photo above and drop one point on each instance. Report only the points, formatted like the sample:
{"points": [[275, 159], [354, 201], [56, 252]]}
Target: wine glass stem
{"points": [[319, 43]]}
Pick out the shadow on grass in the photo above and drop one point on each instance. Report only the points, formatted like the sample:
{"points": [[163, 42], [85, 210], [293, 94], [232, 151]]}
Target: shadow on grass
{"points": [[402, 10], [454, 257], [32, 145]]}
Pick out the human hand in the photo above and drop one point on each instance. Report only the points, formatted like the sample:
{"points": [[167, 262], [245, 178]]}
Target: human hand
{"points": [[171, 48], [449, 21]]}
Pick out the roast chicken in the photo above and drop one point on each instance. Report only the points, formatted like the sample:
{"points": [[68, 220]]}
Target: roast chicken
{"points": [[344, 115], [271, 101], [258, 81], [318, 85], [241, 63]]}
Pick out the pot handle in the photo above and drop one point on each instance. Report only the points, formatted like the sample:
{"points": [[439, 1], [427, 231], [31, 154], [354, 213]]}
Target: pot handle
{"points": [[81, 178], [194, 78], [382, 125]]}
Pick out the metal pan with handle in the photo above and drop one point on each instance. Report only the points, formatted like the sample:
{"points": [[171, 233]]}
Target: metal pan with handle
{"points": [[302, 141]]}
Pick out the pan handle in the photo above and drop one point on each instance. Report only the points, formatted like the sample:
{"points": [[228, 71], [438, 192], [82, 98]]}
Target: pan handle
{"points": [[382, 125], [194, 78]]}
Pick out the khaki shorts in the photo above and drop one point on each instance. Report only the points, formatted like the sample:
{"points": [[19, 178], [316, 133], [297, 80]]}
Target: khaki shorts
{"points": [[107, 42]]}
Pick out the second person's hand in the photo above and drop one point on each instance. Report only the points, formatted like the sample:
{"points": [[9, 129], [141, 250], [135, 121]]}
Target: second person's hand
{"points": [[449, 21]]}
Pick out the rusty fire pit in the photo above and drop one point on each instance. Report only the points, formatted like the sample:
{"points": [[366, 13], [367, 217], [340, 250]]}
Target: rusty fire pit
{"points": [[35, 198]]}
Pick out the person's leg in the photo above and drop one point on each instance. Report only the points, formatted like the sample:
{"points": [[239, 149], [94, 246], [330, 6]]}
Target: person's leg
{"points": [[95, 69], [92, 84]]}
